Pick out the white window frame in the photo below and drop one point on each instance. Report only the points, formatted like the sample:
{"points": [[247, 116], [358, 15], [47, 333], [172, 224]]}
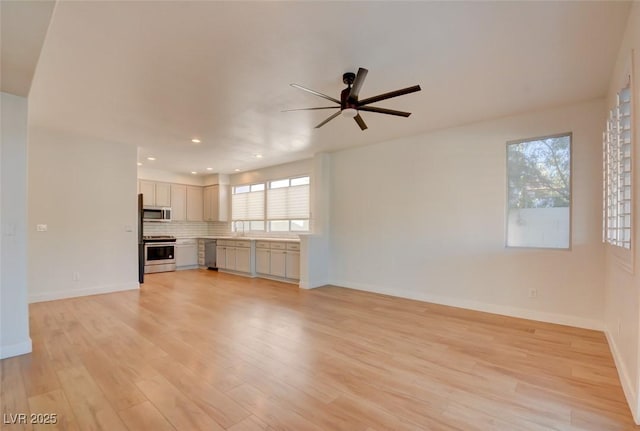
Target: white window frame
{"points": [[245, 223], [266, 220], [507, 209]]}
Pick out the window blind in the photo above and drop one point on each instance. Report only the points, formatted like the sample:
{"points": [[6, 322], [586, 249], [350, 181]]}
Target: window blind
{"points": [[247, 206], [288, 203]]}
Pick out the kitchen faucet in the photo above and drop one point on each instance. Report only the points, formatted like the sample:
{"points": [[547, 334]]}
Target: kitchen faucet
{"points": [[235, 227]]}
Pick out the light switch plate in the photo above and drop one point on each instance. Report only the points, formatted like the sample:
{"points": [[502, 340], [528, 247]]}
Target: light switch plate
{"points": [[41, 227]]}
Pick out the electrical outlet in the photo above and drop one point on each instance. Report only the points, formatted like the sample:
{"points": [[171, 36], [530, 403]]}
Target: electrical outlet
{"points": [[76, 276], [41, 227], [533, 293]]}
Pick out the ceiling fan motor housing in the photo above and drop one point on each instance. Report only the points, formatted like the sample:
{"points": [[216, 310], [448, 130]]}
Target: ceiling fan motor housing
{"points": [[348, 78], [345, 101]]}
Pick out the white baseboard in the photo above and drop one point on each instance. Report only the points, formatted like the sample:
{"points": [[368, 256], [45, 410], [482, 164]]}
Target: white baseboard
{"points": [[184, 268], [312, 284], [627, 386], [15, 349], [72, 293], [523, 313]]}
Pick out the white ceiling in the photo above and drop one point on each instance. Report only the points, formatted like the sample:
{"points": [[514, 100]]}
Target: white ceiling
{"points": [[156, 74], [23, 27]]}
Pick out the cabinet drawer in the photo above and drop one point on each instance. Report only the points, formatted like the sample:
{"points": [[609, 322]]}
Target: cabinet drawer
{"points": [[293, 246], [262, 244], [224, 242], [242, 244], [278, 245]]}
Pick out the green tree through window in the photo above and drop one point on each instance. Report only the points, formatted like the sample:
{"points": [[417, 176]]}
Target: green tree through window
{"points": [[539, 192]]}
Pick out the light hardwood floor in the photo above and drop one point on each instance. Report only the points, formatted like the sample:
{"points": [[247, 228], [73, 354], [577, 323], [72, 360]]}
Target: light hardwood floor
{"points": [[198, 350]]}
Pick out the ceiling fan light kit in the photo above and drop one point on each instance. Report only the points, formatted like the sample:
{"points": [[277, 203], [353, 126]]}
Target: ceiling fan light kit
{"points": [[349, 112], [349, 103]]}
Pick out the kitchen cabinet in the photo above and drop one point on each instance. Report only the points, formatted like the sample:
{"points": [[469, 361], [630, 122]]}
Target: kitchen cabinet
{"points": [[278, 259], [201, 243], [186, 253], [263, 260], [216, 203], [155, 194], [178, 202], [243, 259], [234, 255], [230, 259], [221, 256], [292, 266], [194, 203], [185, 201], [278, 263]]}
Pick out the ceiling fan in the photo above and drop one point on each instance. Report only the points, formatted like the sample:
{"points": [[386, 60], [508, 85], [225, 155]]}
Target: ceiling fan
{"points": [[349, 103]]}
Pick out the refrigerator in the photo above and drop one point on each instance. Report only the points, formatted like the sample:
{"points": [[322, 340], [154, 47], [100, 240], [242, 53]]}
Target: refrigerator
{"points": [[140, 242]]}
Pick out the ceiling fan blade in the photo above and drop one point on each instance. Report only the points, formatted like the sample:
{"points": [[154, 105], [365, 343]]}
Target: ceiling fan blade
{"points": [[360, 121], [311, 109], [389, 95], [316, 93], [384, 111], [357, 84], [328, 119]]}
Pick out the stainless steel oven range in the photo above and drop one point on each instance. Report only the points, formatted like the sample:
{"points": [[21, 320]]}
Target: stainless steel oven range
{"points": [[159, 253]]}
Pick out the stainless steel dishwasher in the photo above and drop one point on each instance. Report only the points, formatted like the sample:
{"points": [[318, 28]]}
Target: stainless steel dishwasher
{"points": [[210, 254]]}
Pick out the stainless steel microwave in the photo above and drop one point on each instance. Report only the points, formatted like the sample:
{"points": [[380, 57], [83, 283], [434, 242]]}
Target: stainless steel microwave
{"points": [[156, 214]]}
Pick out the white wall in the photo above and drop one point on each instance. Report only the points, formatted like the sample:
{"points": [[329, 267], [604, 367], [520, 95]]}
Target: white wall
{"points": [[272, 172], [151, 174], [84, 189], [622, 317], [424, 217], [14, 313]]}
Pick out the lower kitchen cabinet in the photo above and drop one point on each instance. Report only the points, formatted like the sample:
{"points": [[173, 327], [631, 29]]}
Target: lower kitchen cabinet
{"points": [[221, 256], [263, 261], [243, 259], [186, 253], [269, 259], [278, 264], [234, 255], [278, 259], [292, 267]]}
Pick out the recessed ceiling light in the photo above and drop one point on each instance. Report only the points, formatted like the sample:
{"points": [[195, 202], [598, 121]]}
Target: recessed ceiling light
{"points": [[151, 158], [196, 140], [139, 163], [194, 172], [237, 170], [209, 169], [258, 156]]}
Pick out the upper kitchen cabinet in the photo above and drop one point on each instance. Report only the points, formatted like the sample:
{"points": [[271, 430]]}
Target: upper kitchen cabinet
{"points": [[194, 203], [155, 194], [186, 202], [178, 202], [216, 203]]}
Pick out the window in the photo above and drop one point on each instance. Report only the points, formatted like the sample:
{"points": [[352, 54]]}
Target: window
{"points": [[247, 207], [284, 208], [617, 190], [288, 205], [539, 192]]}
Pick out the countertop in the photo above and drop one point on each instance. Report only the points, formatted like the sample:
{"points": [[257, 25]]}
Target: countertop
{"points": [[241, 238]]}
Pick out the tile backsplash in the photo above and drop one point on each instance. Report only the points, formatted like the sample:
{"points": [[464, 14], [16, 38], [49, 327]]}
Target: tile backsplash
{"points": [[179, 228], [185, 229]]}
